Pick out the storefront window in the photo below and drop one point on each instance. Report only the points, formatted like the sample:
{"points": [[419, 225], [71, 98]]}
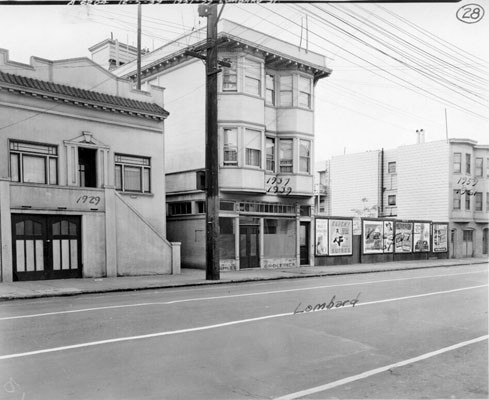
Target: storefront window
{"points": [[226, 238], [280, 238]]}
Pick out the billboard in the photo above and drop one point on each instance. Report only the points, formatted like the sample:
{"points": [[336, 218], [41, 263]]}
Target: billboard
{"points": [[421, 237], [321, 237], [373, 237], [440, 238], [340, 237], [403, 242]]}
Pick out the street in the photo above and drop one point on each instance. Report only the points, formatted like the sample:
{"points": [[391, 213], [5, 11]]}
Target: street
{"points": [[402, 334]]}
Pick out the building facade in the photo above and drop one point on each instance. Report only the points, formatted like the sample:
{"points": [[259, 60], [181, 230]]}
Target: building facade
{"points": [[82, 190], [266, 143], [436, 181]]}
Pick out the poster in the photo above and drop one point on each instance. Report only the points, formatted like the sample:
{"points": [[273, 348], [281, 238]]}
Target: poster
{"points": [[340, 237], [373, 241], [388, 236], [421, 236], [440, 238], [321, 237], [403, 238]]}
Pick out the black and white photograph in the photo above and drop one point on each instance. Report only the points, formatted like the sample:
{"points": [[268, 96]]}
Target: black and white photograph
{"points": [[244, 199]]}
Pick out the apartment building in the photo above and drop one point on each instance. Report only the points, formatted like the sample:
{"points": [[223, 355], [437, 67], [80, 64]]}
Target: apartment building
{"points": [[82, 189], [440, 181], [266, 143]]}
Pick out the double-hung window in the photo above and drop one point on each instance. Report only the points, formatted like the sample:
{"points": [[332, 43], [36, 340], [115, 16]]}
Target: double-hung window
{"points": [[457, 199], [478, 166], [270, 149], [132, 173], [467, 201], [253, 147], [467, 163], [33, 162], [230, 140], [286, 155], [457, 163], [391, 167], [230, 77], [478, 201], [286, 93], [270, 90], [305, 156], [252, 84], [305, 92]]}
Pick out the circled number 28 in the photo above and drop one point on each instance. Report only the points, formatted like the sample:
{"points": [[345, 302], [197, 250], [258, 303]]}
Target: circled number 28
{"points": [[470, 13]]}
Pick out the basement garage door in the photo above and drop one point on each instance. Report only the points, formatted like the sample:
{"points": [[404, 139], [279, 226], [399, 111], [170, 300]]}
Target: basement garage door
{"points": [[46, 247]]}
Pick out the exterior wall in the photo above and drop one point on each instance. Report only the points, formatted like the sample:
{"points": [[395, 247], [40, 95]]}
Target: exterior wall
{"points": [[423, 181], [185, 129], [190, 232], [354, 177], [390, 180]]}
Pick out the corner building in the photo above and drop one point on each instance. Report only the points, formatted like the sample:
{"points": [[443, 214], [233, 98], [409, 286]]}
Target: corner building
{"points": [[266, 143], [82, 188]]}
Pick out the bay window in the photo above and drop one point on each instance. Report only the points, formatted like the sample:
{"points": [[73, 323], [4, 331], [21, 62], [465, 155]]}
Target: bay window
{"points": [[230, 77], [33, 162], [270, 149], [132, 173], [230, 146], [304, 92], [253, 147], [286, 93], [286, 155], [252, 72], [305, 156]]}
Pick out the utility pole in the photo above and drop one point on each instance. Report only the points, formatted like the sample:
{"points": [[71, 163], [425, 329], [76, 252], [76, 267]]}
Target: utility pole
{"points": [[138, 82], [211, 145]]}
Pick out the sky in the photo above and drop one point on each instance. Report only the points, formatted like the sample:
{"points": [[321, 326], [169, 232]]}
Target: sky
{"points": [[397, 67]]}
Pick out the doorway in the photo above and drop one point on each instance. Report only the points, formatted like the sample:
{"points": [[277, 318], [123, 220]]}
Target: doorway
{"points": [[46, 247], [304, 243], [467, 248], [87, 167], [249, 246]]}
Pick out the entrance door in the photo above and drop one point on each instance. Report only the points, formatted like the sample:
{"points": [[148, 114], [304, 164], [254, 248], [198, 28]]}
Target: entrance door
{"points": [[46, 247], [248, 247], [87, 167], [304, 243], [467, 244]]}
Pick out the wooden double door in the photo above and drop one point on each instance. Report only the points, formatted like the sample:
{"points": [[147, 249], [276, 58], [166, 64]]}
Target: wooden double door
{"points": [[46, 247]]}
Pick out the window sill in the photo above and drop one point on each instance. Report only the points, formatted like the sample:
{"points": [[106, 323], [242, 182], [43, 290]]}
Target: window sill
{"points": [[134, 195]]}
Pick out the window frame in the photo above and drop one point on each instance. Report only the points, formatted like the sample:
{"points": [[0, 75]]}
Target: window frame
{"points": [[270, 91], [248, 71], [229, 72], [49, 156], [185, 208], [457, 163], [467, 163], [306, 158], [467, 202], [478, 201], [391, 203], [288, 90], [283, 167], [253, 153], [457, 199], [391, 167], [272, 159], [230, 148], [479, 167], [143, 167], [307, 93]]}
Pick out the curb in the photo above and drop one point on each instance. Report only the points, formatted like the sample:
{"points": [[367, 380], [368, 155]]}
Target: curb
{"points": [[220, 282]]}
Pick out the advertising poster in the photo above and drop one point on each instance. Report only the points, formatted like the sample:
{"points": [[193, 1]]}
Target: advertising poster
{"points": [[403, 239], [321, 237], [421, 236], [388, 236], [340, 237], [440, 238], [373, 241]]}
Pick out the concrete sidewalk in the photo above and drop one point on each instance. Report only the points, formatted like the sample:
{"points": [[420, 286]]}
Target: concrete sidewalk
{"points": [[193, 277]]}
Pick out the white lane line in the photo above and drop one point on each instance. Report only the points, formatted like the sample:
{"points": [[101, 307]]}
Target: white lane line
{"points": [[206, 327], [375, 371], [229, 296]]}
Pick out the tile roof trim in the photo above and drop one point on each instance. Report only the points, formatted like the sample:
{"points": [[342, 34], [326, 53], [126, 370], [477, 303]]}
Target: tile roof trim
{"points": [[47, 90]]}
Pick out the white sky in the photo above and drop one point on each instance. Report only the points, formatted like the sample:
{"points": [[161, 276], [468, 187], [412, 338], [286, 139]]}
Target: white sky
{"points": [[361, 106]]}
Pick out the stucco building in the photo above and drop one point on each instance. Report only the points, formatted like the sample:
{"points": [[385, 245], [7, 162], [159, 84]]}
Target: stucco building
{"points": [[266, 143], [440, 181], [82, 189]]}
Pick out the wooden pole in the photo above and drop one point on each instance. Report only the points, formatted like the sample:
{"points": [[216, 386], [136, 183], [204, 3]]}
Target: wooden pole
{"points": [[212, 150], [138, 83]]}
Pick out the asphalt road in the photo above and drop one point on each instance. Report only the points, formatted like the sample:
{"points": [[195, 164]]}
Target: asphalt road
{"points": [[404, 334]]}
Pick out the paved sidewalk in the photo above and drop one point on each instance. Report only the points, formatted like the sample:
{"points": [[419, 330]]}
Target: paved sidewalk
{"points": [[194, 277]]}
